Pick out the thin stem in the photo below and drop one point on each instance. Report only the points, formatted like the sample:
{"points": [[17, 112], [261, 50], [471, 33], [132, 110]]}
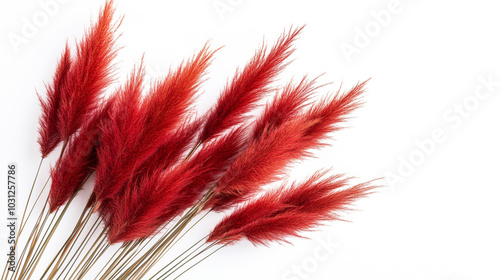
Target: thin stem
{"points": [[190, 259], [199, 220], [79, 250], [191, 152], [29, 198], [90, 254], [150, 258], [179, 256], [90, 251], [200, 261], [122, 250], [46, 241], [81, 223], [38, 247], [21, 225], [32, 242]]}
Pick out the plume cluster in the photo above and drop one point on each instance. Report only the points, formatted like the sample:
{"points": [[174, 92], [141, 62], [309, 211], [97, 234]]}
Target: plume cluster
{"points": [[138, 127], [280, 139], [157, 163], [248, 87], [74, 93], [79, 159], [289, 210]]}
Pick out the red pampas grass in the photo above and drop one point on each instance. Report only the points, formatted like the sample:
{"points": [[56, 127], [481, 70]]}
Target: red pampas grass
{"points": [[79, 159], [126, 145], [118, 134], [284, 107], [173, 147], [286, 212], [90, 73], [156, 199], [268, 155], [248, 87], [73, 95], [169, 101], [158, 165], [49, 133]]}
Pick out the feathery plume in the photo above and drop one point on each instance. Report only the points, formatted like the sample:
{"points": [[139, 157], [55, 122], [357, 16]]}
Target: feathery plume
{"points": [[90, 73], [169, 101], [127, 145], [287, 211], [248, 87], [157, 199], [171, 150], [118, 134], [284, 106], [267, 156], [49, 134], [78, 160]]}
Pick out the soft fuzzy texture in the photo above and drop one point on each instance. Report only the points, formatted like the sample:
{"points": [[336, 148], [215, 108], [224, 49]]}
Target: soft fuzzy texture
{"points": [[156, 199], [90, 74], [49, 134], [286, 212], [168, 104], [284, 107], [79, 159], [138, 129], [175, 145], [118, 134], [268, 155], [247, 87]]}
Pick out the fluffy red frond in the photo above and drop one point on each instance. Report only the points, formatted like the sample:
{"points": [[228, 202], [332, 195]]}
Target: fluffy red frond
{"points": [[286, 212], [169, 101], [118, 135], [262, 162], [268, 156], [284, 107], [173, 148], [328, 114], [90, 73], [128, 145], [79, 159], [248, 87], [157, 199], [49, 134]]}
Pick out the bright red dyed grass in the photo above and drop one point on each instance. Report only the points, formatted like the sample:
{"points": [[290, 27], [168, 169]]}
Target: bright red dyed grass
{"points": [[288, 211], [273, 150], [154, 200], [79, 159], [248, 87], [78, 82], [49, 133], [90, 73]]}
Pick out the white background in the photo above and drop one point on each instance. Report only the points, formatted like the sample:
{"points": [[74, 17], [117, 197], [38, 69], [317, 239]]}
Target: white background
{"points": [[427, 59]]}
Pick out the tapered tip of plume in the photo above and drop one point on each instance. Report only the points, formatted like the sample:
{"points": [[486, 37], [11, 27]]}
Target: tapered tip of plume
{"points": [[49, 134], [248, 86], [90, 74], [79, 159], [286, 212]]}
